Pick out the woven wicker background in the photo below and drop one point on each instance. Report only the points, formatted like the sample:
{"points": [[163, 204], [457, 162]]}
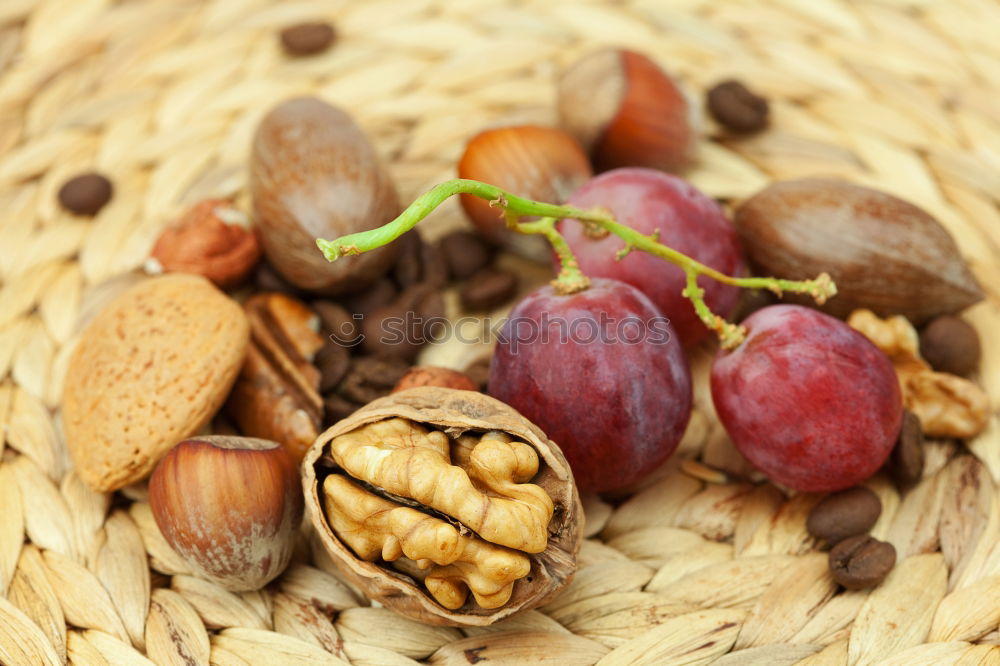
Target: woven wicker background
{"points": [[163, 95]]}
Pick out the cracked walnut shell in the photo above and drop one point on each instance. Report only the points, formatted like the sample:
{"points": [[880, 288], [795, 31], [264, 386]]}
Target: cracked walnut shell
{"points": [[445, 505]]}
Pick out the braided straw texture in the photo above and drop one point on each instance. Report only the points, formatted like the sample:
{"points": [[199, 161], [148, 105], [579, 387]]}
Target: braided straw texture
{"points": [[693, 568]]}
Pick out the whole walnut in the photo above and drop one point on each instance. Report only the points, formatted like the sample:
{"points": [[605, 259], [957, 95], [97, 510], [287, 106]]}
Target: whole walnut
{"points": [[314, 174], [445, 505]]}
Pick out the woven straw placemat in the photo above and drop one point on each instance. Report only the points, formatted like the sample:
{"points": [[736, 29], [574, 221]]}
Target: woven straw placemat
{"points": [[163, 96]]}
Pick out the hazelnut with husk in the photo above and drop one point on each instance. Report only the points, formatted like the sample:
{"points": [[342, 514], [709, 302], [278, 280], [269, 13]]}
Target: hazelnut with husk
{"points": [[230, 506], [445, 505], [626, 111]]}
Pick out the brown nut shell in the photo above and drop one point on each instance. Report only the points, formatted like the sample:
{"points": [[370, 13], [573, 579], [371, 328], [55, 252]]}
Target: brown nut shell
{"points": [[626, 111], [314, 174], [541, 163], [455, 412], [151, 368], [883, 253]]}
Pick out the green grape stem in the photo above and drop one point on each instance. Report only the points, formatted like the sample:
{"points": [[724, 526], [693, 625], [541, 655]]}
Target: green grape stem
{"points": [[570, 278]]}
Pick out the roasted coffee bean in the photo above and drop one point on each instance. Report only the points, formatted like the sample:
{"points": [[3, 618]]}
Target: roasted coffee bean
{"points": [[403, 326], [737, 108], [427, 301], [465, 253], [861, 561], [307, 38], [85, 194], [336, 408], [337, 324], [393, 330], [435, 267], [487, 289], [419, 263], [951, 344], [333, 361], [844, 514], [479, 372], [372, 377], [409, 267], [906, 462], [379, 294]]}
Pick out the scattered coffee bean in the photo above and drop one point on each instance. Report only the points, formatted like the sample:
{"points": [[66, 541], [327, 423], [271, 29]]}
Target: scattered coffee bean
{"points": [[85, 194], [906, 462], [428, 302], [336, 408], [434, 265], [951, 344], [465, 253], [336, 323], [401, 327], [307, 38], [419, 262], [434, 376], [479, 372], [861, 561], [847, 513], [265, 278], [487, 289], [409, 267], [379, 294], [333, 361], [737, 108], [372, 377], [393, 330]]}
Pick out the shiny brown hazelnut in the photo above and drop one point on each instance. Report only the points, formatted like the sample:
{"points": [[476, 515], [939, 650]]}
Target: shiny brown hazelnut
{"points": [[626, 111], [540, 163], [314, 174], [230, 506]]}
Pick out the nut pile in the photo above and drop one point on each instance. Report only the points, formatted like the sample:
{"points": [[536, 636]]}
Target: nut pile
{"points": [[445, 505], [448, 505]]}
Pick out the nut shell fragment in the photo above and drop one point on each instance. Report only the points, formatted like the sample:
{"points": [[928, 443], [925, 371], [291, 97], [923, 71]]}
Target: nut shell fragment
{"points": [[464, 421]]}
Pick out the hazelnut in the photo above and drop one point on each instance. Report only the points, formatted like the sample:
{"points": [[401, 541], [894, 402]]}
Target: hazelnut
{"points": [[540, 163], [230, 506], [626, 111], [213, 239], [433, 376]]}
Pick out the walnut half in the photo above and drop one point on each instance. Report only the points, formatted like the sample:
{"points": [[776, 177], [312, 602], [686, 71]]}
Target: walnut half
{"points": [[948, 406], [446, 505]]}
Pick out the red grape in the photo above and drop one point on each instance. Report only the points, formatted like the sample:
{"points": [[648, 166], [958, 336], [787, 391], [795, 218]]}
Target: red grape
{"points": [[688, 221], [600, 373], [807, 399]]}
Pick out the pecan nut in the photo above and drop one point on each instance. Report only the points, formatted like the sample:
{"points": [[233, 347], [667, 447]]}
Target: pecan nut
{"points": [[947, 405], [277, 396], [445, 505]]}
